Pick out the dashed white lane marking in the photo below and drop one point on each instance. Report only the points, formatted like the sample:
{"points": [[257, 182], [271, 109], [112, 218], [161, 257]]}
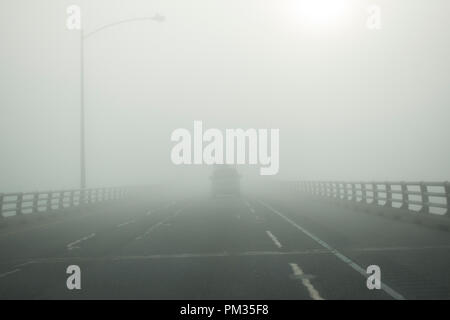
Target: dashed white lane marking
{"points": [[73, 245], [274, 239], [394, 294], [298, 273], [3, 275], [155, 226], [126, 223]]}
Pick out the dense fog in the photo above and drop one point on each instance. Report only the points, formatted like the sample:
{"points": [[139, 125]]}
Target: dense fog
{"points": [[350, 103]]}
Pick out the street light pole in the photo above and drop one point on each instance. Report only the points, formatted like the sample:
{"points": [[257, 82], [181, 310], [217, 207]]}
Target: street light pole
{"points": [[83, 37], [82, 117]]}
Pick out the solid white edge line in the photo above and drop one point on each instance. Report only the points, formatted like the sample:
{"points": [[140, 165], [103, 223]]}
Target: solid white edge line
{"points": [[394, 294]]}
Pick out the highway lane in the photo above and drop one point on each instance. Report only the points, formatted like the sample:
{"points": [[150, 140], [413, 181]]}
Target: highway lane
{"points": [[414, 259], [254, 247]]}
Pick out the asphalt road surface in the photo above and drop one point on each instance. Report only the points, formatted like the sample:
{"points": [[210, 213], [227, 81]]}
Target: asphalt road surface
{"points": [[252, 247]]}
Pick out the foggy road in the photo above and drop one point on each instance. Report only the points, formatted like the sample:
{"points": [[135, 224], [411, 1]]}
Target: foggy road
{"points": [[249, 247]]}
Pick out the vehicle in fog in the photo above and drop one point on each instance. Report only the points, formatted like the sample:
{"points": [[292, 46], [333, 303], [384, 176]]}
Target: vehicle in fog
{"points": [[225, 180]]}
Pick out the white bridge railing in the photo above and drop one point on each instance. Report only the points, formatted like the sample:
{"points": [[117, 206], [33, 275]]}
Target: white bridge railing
{"points": [[424, 197], [20, 203]]}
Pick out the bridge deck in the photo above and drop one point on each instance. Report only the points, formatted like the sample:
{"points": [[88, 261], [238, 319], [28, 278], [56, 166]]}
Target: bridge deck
{"points": [[226, 248]]}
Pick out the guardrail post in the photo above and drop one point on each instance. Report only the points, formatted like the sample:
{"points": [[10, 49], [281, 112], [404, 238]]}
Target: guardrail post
{"points": [[19, 203], [71, 199], [447, 196], [1, 205], [353, 186], [375, 193], [425, 200], [338, 190], [35, 202], [350, 191], [405, 197], [388, 195], [49, 201], [61, 200], [363, 193], [345, 190]]}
